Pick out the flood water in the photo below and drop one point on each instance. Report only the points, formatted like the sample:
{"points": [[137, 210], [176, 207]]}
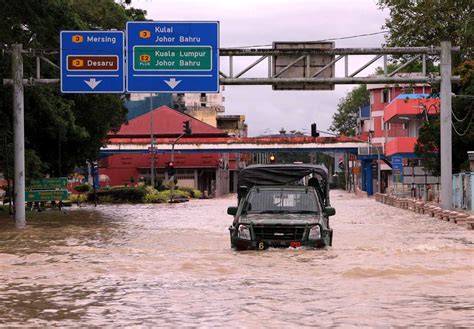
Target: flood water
{"points": [[171, 265]]}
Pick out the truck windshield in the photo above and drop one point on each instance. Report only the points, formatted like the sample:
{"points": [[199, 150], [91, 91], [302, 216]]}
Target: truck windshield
{"points": [[265, 201]]}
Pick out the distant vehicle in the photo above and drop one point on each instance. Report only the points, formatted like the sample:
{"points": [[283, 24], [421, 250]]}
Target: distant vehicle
{"points": [[276, 209]]}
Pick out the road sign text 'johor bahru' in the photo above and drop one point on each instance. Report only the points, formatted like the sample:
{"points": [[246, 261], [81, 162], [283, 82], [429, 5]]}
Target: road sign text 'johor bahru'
{"points": [[173, 57]]}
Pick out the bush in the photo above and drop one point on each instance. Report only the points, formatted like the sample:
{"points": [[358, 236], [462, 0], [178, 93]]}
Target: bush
{"points": [[193, 193], [82, 188], [196, 194], [75, 198], [156, 196], [120, 194], [181, 194]]}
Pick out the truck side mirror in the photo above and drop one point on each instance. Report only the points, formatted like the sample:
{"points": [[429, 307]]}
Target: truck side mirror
{"points": [[329, 211], [232, 211]]}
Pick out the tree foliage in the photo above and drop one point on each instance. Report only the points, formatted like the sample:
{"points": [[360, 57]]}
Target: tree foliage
{"points": [[344, 121], [62, 131], [428, 22]]}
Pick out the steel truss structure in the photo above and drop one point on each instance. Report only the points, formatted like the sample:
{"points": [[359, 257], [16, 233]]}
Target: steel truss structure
{"points": [[18, 82], [304, 56]]}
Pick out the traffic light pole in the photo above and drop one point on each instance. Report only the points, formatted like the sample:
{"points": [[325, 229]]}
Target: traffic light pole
{"points": [[152, 142], [171, 179]]}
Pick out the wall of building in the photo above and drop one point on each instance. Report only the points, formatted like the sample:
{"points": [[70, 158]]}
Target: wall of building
{"points": [[120, 168], [380, 97]]}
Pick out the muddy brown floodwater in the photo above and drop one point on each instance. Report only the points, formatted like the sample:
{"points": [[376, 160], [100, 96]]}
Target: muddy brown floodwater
{"points": [[171, 265]]}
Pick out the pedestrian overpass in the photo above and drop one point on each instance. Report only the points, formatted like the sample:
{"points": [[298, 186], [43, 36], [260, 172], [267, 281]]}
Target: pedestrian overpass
{"points": [[234, 145], [364, 151]]}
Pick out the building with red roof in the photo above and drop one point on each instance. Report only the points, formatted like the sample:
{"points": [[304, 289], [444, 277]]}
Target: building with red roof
{"points": [[204, 171]]}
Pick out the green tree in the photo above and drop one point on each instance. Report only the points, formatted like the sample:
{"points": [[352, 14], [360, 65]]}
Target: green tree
{"points": [[62, 131], [344, 121], [428, 22]]}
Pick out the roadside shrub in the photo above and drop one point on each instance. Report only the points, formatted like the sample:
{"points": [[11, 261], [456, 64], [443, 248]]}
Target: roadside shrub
{"points": [[180, 193], [157, 197], [121, 194], [75, 198], [82, 188], [105, 199], [193, 193], [152, 195]]}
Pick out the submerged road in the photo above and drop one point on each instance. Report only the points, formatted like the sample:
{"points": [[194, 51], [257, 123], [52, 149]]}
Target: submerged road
{"points": [[171, 265]]}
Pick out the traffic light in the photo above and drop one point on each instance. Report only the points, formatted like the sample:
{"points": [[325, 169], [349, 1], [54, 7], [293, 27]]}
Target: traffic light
{"points": [[272, 158], [314, 130], [170, 169], [187, 128]]}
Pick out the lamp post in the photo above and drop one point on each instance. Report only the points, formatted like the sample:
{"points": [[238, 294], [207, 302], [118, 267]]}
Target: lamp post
{"points": [[370, 145]]}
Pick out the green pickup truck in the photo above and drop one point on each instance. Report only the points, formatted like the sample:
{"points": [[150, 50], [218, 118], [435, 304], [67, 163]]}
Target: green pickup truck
{"points": [[281, 206]]}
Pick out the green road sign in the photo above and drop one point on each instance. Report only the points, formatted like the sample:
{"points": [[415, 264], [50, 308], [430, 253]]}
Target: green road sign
{"points": [[172, 58], [48, 183], [46, 195]]}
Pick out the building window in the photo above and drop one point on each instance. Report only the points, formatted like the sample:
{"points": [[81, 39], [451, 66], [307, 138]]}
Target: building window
{"points": [[385, 95]]}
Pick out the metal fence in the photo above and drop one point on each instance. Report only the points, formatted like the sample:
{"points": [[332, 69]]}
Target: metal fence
{"points": [[463, 191]]}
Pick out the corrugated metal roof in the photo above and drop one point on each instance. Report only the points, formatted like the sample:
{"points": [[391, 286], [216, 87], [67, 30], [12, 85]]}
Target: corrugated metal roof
{"points": [[415, 96], [166, 123]]}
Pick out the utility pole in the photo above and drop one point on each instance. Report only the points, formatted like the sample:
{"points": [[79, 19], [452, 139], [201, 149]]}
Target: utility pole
{"points": [[445, 129], [19, 134], [18, 83]]}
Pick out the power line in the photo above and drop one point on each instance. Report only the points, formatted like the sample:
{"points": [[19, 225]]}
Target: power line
{"points": [[467, 114], [322, 40], [464, 96], [465, 131]]}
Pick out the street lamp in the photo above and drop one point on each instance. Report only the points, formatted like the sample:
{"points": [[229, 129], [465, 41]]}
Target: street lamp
{"points": [[370, 145]]}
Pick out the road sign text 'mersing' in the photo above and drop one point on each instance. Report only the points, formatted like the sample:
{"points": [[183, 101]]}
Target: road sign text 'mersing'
{"points": [[92, 62]]}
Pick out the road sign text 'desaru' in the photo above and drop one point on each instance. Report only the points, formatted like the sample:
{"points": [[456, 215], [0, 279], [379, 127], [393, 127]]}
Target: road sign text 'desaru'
{"points": [[92, 62], [173, 57]]}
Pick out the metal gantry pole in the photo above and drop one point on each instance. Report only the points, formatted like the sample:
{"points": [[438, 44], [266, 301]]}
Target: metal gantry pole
{"points": [[19, 134], [445, 129]]}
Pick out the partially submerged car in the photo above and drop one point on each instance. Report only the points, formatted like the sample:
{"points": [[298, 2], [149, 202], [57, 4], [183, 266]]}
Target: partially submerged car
{"points": [[280, 206]]}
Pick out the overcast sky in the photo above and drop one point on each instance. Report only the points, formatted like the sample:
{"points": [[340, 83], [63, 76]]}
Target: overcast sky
{"points": [[260, 22]]}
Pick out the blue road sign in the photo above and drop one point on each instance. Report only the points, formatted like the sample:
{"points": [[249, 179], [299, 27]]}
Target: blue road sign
{"points": [[397, 169], [173, 57], [92, 62]]}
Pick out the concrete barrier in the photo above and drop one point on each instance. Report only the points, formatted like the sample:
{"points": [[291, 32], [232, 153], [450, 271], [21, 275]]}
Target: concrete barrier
{"points": [[462, 219], [470, 222]]}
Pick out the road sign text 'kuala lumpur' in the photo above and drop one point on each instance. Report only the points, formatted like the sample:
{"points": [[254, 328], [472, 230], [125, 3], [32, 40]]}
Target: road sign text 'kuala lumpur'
{"points": [[173, 57]]}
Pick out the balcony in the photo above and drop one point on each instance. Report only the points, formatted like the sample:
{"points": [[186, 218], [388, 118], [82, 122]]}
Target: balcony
{"points": [[400, 145], [410, 106]]}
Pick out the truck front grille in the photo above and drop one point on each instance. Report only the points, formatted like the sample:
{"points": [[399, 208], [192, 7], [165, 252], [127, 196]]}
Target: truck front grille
{"points": [[279, 232]]}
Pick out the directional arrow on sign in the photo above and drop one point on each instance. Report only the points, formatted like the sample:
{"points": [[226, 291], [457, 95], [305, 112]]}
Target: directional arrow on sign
{"points": [[172, 82], [92, 82]]}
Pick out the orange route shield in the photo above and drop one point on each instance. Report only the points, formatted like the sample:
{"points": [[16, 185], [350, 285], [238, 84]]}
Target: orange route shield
{"points": [[92, 63]]}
